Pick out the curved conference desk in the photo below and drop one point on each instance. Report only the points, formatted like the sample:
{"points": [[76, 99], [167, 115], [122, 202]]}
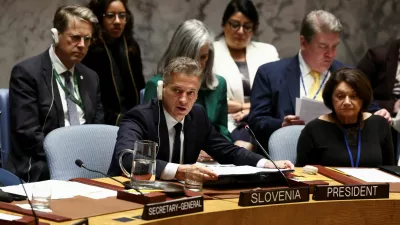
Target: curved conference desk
{"points": [[227, 212]]}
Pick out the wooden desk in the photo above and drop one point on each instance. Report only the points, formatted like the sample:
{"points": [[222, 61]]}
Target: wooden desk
{"points": [[223, 212]]}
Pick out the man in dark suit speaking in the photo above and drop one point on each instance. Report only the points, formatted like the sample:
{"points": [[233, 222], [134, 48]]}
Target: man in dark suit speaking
{"points": [[52, 90], [176, 115]]}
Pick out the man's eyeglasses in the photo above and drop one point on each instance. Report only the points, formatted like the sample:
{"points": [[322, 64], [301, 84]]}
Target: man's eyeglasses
{"points": [[77, 39], [235, 26], [112, 16]]}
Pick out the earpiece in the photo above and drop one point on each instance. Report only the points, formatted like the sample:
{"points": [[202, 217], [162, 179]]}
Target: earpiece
{"points": [[159, 102], [159, 89], [54, 35]]}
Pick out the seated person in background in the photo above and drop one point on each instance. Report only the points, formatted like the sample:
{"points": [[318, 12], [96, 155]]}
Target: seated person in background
{"points": [[381, 65], [278, 84], [52, 90], [237, 59], [180, 127], [194, 40], [115, 56], [348, 136]]}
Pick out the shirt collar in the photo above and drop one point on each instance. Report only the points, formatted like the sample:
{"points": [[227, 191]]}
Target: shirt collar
{"points": [[171, 122], [304, 68], [57, 64]]}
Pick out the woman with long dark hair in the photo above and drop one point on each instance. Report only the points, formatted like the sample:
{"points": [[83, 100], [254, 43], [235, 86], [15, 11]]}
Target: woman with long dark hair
{"points": [[115, 56]]}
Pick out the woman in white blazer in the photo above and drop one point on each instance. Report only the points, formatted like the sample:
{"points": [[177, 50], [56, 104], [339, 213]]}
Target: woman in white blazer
{"points": [[237, 59]]}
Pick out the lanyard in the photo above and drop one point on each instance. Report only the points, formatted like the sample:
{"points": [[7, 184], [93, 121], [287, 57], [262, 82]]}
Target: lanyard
{"points": [[358, 147], [320, 86], [67, 92]]}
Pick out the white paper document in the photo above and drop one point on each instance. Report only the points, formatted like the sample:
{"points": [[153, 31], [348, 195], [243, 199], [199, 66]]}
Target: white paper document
{"points": [[240, 170], [309, 109], [28, 207], [62, 189], [370, 175], [8, 217]]}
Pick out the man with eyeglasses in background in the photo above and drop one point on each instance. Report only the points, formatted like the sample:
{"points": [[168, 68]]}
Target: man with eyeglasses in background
{"points": [[52, 90]]}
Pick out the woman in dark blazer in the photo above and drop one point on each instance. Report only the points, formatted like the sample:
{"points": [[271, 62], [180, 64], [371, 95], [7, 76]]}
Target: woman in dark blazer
{"points": [[115, 56]]}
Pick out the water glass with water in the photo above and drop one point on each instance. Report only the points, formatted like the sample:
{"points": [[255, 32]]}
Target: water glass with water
{"points": [[194, 179], [41, 197]]}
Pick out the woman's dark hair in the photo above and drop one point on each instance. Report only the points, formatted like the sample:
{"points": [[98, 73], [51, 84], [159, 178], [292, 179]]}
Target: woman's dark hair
{"points": [[355, 79], [246, 7], [99, 7]]}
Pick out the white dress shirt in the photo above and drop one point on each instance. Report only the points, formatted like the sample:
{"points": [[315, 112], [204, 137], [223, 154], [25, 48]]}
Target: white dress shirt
{"points": [[307, 78], [170, 169], [60, 68]]}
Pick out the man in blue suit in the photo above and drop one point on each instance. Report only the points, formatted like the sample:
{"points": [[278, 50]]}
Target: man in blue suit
{"points": [[277, 84]]}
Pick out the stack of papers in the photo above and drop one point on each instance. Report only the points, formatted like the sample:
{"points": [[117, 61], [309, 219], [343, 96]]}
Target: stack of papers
{"points": [[62, 189], [370, 175], [8, 217], [229, 169], [309, 109]]}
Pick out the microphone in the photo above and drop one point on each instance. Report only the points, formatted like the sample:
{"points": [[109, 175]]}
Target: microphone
{"points": [[79, 163], [266, 153], [23, 187]]}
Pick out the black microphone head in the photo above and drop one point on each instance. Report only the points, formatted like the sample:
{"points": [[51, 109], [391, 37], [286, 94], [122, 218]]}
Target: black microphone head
{"points": [[79, 162]]}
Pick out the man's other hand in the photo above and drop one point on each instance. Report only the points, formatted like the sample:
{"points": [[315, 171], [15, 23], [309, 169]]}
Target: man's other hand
{"points": [[208, 174], [292, 120]]}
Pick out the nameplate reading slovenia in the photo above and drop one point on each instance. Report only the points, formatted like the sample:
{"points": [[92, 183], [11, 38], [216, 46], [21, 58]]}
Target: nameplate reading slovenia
{"points": [[368, 191], [173, 208], [276, 196]]}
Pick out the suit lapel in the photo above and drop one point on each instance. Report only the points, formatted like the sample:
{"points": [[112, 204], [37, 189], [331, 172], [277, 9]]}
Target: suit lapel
{"points": [[52, 86], [161, 124], [83, 92], [292, 77], [189, 129]]}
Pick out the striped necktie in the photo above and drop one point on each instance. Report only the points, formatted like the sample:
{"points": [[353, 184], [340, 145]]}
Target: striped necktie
{"points": [[71, 106]]}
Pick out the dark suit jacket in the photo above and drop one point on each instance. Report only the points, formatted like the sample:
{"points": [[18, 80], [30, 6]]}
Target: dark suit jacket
{"points": [[141, 123], [31, 95], [273, 96], [380, 66], [214, 101]]}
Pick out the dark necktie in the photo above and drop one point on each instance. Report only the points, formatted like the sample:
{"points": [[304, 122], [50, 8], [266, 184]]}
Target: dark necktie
{"points": [[71, 106], [176, 153]]}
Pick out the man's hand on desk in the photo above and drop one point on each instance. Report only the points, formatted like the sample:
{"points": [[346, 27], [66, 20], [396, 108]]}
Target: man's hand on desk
{"points": [[208, 174], [282, 164]]}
